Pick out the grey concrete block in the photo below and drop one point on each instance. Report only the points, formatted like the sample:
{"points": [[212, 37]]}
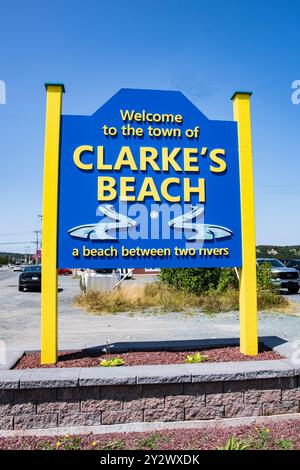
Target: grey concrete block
{"points": [[238, 410], [22, 408], [282, 383], [243, 385], [262, 396], [121, 392], [161, 374], [204, 412], [267, 369], [164, 415], [45, 407], [124, 416], [6, 423], [282, 407], [100, 405], [35, 421], [10, 379], [292, 394], [5, 409], [144, 403], [49, 378], [79, 419], [183, 401], [218, 399], [17, 408], [6, 396], [107, 376], [203, 388], [162, 379], [34, 394], [78, 393], [217, 372], [296, 369], [162, 390]]}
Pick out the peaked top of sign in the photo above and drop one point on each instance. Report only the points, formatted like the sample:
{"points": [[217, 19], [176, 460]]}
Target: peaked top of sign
{"points": [[157, 101]]}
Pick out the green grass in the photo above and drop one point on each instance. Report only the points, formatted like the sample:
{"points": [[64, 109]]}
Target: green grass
{"points": [[162, 298]]}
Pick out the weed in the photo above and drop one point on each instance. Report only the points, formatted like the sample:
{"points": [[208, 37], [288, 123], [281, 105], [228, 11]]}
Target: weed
{"points": [[71, 443], [115, 362], [262, 439], [234, 444], [117, 444], [285, 444], [195, 358], [150, 442]]}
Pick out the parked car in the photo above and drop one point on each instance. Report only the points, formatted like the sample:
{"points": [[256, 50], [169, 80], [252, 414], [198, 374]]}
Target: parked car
{"points": [[282, 276], [31, 278], [18, 268], [64, 271], [292, 263]]}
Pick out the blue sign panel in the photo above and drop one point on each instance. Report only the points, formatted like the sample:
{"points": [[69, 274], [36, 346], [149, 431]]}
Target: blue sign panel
{"points": [[148, 181]]}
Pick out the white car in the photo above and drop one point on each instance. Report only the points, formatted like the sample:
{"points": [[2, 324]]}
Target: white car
{"points": [[18, 268], [281, 276]]}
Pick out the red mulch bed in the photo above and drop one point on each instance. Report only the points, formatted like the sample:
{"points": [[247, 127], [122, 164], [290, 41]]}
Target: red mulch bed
{"points": [[138, 358], [282, 435]]}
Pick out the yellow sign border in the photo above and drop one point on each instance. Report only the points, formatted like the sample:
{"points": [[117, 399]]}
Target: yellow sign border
{"points": [[248, 290]]}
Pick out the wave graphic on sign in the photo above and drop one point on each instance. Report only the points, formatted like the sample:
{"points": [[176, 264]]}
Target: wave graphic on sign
{"points": [[200, 231], [186, 222], [99, 231]]}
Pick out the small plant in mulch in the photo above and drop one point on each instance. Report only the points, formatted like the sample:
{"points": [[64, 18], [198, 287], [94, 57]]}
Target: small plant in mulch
{"points": [[234, 444], [196, 358], [149, 442], [116, 444], [285, 444], [262, 439], [110, 362], [154, 441], [115, 362], [64, 443]]}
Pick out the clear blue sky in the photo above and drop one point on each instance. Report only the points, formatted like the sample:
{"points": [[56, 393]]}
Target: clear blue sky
{"points": [[207, 50]]}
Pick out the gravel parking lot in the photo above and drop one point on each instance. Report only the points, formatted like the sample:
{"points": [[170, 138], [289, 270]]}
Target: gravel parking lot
{"points": [[20, 321]]}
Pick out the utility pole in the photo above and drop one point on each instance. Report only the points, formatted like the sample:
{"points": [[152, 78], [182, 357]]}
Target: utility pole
{"points": [[37, 232], [27, 252], [40, 216]]}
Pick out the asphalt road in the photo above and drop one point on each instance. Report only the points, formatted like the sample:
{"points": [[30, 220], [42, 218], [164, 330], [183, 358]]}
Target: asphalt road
{"points": [[20, 321]]}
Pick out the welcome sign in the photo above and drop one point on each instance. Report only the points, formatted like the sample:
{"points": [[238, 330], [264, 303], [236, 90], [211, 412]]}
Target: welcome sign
{"points": [[148, 180]]}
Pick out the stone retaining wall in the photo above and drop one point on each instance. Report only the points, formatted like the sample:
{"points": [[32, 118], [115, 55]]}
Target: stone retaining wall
{"points": [[49, 398]]}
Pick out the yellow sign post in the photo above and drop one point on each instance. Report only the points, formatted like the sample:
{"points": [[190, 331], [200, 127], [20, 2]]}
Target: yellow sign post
{"points": [[49, 228], [248, 291]]}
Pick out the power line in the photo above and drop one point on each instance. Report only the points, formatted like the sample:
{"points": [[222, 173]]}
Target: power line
{"points": [[15, 243]]}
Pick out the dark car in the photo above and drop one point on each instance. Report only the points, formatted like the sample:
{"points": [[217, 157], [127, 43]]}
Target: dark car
{"points": [[31, 278], [292, 263]]}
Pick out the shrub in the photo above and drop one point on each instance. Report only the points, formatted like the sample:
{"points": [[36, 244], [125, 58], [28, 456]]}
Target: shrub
{"points": [[195, 280], [264, 281]]}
